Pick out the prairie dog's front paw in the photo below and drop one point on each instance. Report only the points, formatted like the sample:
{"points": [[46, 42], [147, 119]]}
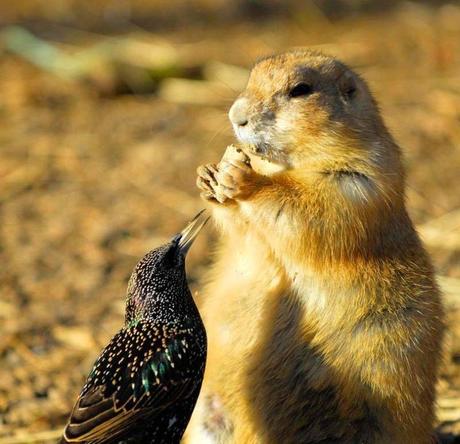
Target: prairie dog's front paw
{"points": [[233, 178], [236, 179], [211, 189], [206, 181]]}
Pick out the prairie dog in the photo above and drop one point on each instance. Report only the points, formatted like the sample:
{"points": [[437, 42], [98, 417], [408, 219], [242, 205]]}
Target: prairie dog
{"points": [[323, 316]]}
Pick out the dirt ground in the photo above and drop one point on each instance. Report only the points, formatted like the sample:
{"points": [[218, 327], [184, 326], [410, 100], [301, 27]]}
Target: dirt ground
{"points": [[97, 166]]}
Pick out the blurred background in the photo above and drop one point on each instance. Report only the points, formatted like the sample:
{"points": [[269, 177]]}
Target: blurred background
{"points": [[106, 109]]}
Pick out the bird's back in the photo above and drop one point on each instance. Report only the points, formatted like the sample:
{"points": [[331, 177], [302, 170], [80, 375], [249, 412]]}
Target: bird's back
{"points": [[143, 387]]}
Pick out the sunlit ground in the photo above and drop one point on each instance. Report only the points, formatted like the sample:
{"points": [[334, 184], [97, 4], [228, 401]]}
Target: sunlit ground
{"points": [[102, 128]]}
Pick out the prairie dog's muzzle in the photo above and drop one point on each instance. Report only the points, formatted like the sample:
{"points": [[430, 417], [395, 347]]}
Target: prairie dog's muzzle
{"points": [[239, 112]]}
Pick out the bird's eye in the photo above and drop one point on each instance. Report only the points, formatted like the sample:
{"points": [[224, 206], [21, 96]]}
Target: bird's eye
{"points": [[170, 257], [301, 89], [350, 92]]}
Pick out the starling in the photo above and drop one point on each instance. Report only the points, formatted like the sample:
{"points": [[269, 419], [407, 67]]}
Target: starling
{"points": [[144, 385]]}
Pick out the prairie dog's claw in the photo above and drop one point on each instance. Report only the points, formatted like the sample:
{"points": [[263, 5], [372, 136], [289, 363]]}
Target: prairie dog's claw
{"points": [[207, 195], [208, 172], [207, 182]]}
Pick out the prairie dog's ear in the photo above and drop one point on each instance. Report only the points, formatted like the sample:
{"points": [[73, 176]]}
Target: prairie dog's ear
{"points": [[348, 86]]}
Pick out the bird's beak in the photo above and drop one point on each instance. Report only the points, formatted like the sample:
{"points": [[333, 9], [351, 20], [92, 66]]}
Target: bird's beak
{"points": [[190, 232]]}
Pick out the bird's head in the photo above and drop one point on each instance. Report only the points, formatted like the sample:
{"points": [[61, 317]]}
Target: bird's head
{"points": [[159, 281]]}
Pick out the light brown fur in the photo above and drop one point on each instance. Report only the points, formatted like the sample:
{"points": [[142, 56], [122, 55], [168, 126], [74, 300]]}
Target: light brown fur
{"points": [[323, 317]]}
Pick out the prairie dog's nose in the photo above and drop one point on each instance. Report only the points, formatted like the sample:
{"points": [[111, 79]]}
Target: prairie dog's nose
{"points": [[238, 113]]}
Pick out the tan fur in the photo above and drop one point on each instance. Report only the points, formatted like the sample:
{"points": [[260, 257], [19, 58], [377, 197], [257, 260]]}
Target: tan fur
{"points": [[323, 317]]}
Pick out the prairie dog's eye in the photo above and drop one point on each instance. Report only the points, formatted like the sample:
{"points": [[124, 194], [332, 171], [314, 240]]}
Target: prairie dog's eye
{"points": [[301, 89]]}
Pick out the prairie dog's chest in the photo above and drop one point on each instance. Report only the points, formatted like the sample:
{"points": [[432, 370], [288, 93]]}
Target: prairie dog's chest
{"points": [[314, 294], [248, 278], [249, 265], [257, 279], [324, 298]]}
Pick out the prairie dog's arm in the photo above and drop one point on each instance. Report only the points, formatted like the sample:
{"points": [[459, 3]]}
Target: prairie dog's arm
{"points": [[273, 208], [233, 180], [283, 211], [301, 215]]}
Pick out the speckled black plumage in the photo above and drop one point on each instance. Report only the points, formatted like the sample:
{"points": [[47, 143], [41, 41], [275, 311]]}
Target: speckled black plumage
{"points": [[144, 385]]}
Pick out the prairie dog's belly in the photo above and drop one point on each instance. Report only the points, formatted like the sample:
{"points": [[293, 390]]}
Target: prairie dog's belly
{"points": [[245, 278], [255, 318]]}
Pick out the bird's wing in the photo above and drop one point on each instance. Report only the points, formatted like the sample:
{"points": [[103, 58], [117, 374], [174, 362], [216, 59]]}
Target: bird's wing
{"points": [[144, 370]]}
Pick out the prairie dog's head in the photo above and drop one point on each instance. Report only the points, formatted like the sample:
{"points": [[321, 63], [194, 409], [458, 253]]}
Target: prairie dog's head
{"points": [[305, 109]]}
